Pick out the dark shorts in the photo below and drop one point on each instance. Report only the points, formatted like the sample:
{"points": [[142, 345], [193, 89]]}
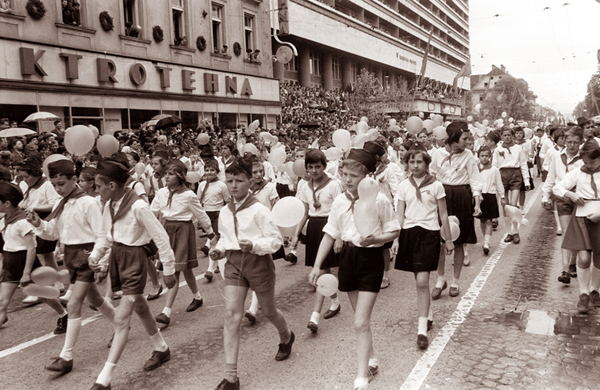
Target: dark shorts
{"points": [[418, 250], [44, 246], [13, 265], [76, 261], [214, 220], [511, 178], [360, 268], [250, 270], [127, 267], [563, 207]]}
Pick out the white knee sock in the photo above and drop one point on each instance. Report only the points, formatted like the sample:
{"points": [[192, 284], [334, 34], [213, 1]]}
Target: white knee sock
{"points": [[158, 342], [440, 281], [197, 295], [422, 326], [253, 304], [584, 275], [73, 328], [335, 303], [167, 311], [314, 317], [486, 240], [105, 376], [595, 278], [212, 265]]}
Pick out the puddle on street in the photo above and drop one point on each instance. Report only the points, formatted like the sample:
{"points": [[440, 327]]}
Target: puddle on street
{"points": [[553, 323]]}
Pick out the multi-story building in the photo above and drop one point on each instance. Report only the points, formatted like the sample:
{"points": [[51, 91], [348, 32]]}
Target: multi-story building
{"points": [[336, 38], [117, 63], [481, 84]]}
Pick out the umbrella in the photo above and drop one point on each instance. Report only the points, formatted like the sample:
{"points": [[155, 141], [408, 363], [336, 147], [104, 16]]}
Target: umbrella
{"points": [[171, 120], [160, 116], [41, 115], [151, 122], [16, 132]]}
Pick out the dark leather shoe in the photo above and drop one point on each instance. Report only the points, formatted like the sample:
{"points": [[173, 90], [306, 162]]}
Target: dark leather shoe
{"points": [[61, 325], [373, 370], [292, 258], [196, 303], [332, 313], [312, 326], [226, 385], [564, 278], [285, 350], [572, 270], [251, 317], [509, 238], [61, 366], [516, 239], [151, 297], [436, 293], [204, 250], [98, 386], [208, 276], [453, 292], [157, 359], [163, 319], [422, 341]]}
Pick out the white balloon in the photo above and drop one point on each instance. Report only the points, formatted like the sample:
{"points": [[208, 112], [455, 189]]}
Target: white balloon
{"points": [[288, 211], [368, 188], [366, 217], [327, 285]]}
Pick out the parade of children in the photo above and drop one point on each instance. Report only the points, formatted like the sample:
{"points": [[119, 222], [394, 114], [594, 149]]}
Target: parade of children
{"points": [[237, 210]]}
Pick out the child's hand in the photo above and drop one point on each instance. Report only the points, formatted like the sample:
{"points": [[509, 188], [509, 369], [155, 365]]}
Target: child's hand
{"points": [[33, 218], [94, 264], [577, 199], [502, 202], [215, 254], [449, 247], [595, 218], [337, 245], [99, 276], [477, 211], [313, 276], [527, 188], [394, 248], [547, 205], [245, 245], [169, 280], [367, 241], [294, 242], [25, 280]]}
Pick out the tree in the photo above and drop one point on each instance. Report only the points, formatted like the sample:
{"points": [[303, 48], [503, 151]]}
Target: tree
{"points": [[581, 109], [591, 103], [512, 96]]}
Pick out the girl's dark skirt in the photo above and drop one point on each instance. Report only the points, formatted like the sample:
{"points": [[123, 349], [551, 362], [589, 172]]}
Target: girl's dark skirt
{"points": [[314, 235], [459, 201], [418, 250], [283, 190], [182, 236], [489, 207], [582, 235]]}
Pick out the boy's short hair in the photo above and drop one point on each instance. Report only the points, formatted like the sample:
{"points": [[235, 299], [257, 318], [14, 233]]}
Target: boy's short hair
{"points": [[240, 165], [411, 153], [484, 149], [212, 163], [590, 149], [11, 193], [315, 156], [494, 137], [61, 167], [354, 165], [574, 131], [32, 168]]}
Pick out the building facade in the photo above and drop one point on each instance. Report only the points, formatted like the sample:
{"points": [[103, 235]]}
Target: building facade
{"points": [[337, 38], [481, 84], [117, 63]]}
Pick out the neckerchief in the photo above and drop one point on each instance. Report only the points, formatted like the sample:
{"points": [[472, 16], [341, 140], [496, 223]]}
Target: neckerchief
{"points": [[129, 199], [351, 199], [428, 179], [563, 158], [484, 167], [177, 190], [159, 180], [380, 169], [37, 185], [507, 148], [228, 161], [75, 194], [449, 158], [556, 147], [250, 200], [584, 169], [205, 188], [314, 190], [255, 189], [18, 215]]}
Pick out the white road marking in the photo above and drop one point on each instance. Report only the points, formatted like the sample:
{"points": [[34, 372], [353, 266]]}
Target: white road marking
{"points": [[96, 317], [421, 370]]}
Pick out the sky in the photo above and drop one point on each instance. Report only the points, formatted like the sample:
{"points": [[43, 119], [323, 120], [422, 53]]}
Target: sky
{"points": [[552, 44]]}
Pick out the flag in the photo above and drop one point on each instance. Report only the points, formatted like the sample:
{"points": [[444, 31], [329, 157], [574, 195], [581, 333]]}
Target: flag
{"points": [[464, 72], [501, 96], [424, 63]]}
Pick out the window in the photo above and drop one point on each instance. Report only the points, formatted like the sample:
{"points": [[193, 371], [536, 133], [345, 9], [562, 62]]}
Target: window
{"points": [[217, 28], [336, 68], [249, 33], [132, 19], [291, 66], [354, 72], [71, 12], [315, 64], [179, 34]]}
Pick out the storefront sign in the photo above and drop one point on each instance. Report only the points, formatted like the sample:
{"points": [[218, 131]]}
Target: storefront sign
{"points": [[107, 73]]}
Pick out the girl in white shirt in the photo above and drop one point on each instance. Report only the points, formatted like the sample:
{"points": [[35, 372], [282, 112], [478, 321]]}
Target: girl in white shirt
{"points": [[176, 205], [583, 233], [421, 204], [491, 187]]}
